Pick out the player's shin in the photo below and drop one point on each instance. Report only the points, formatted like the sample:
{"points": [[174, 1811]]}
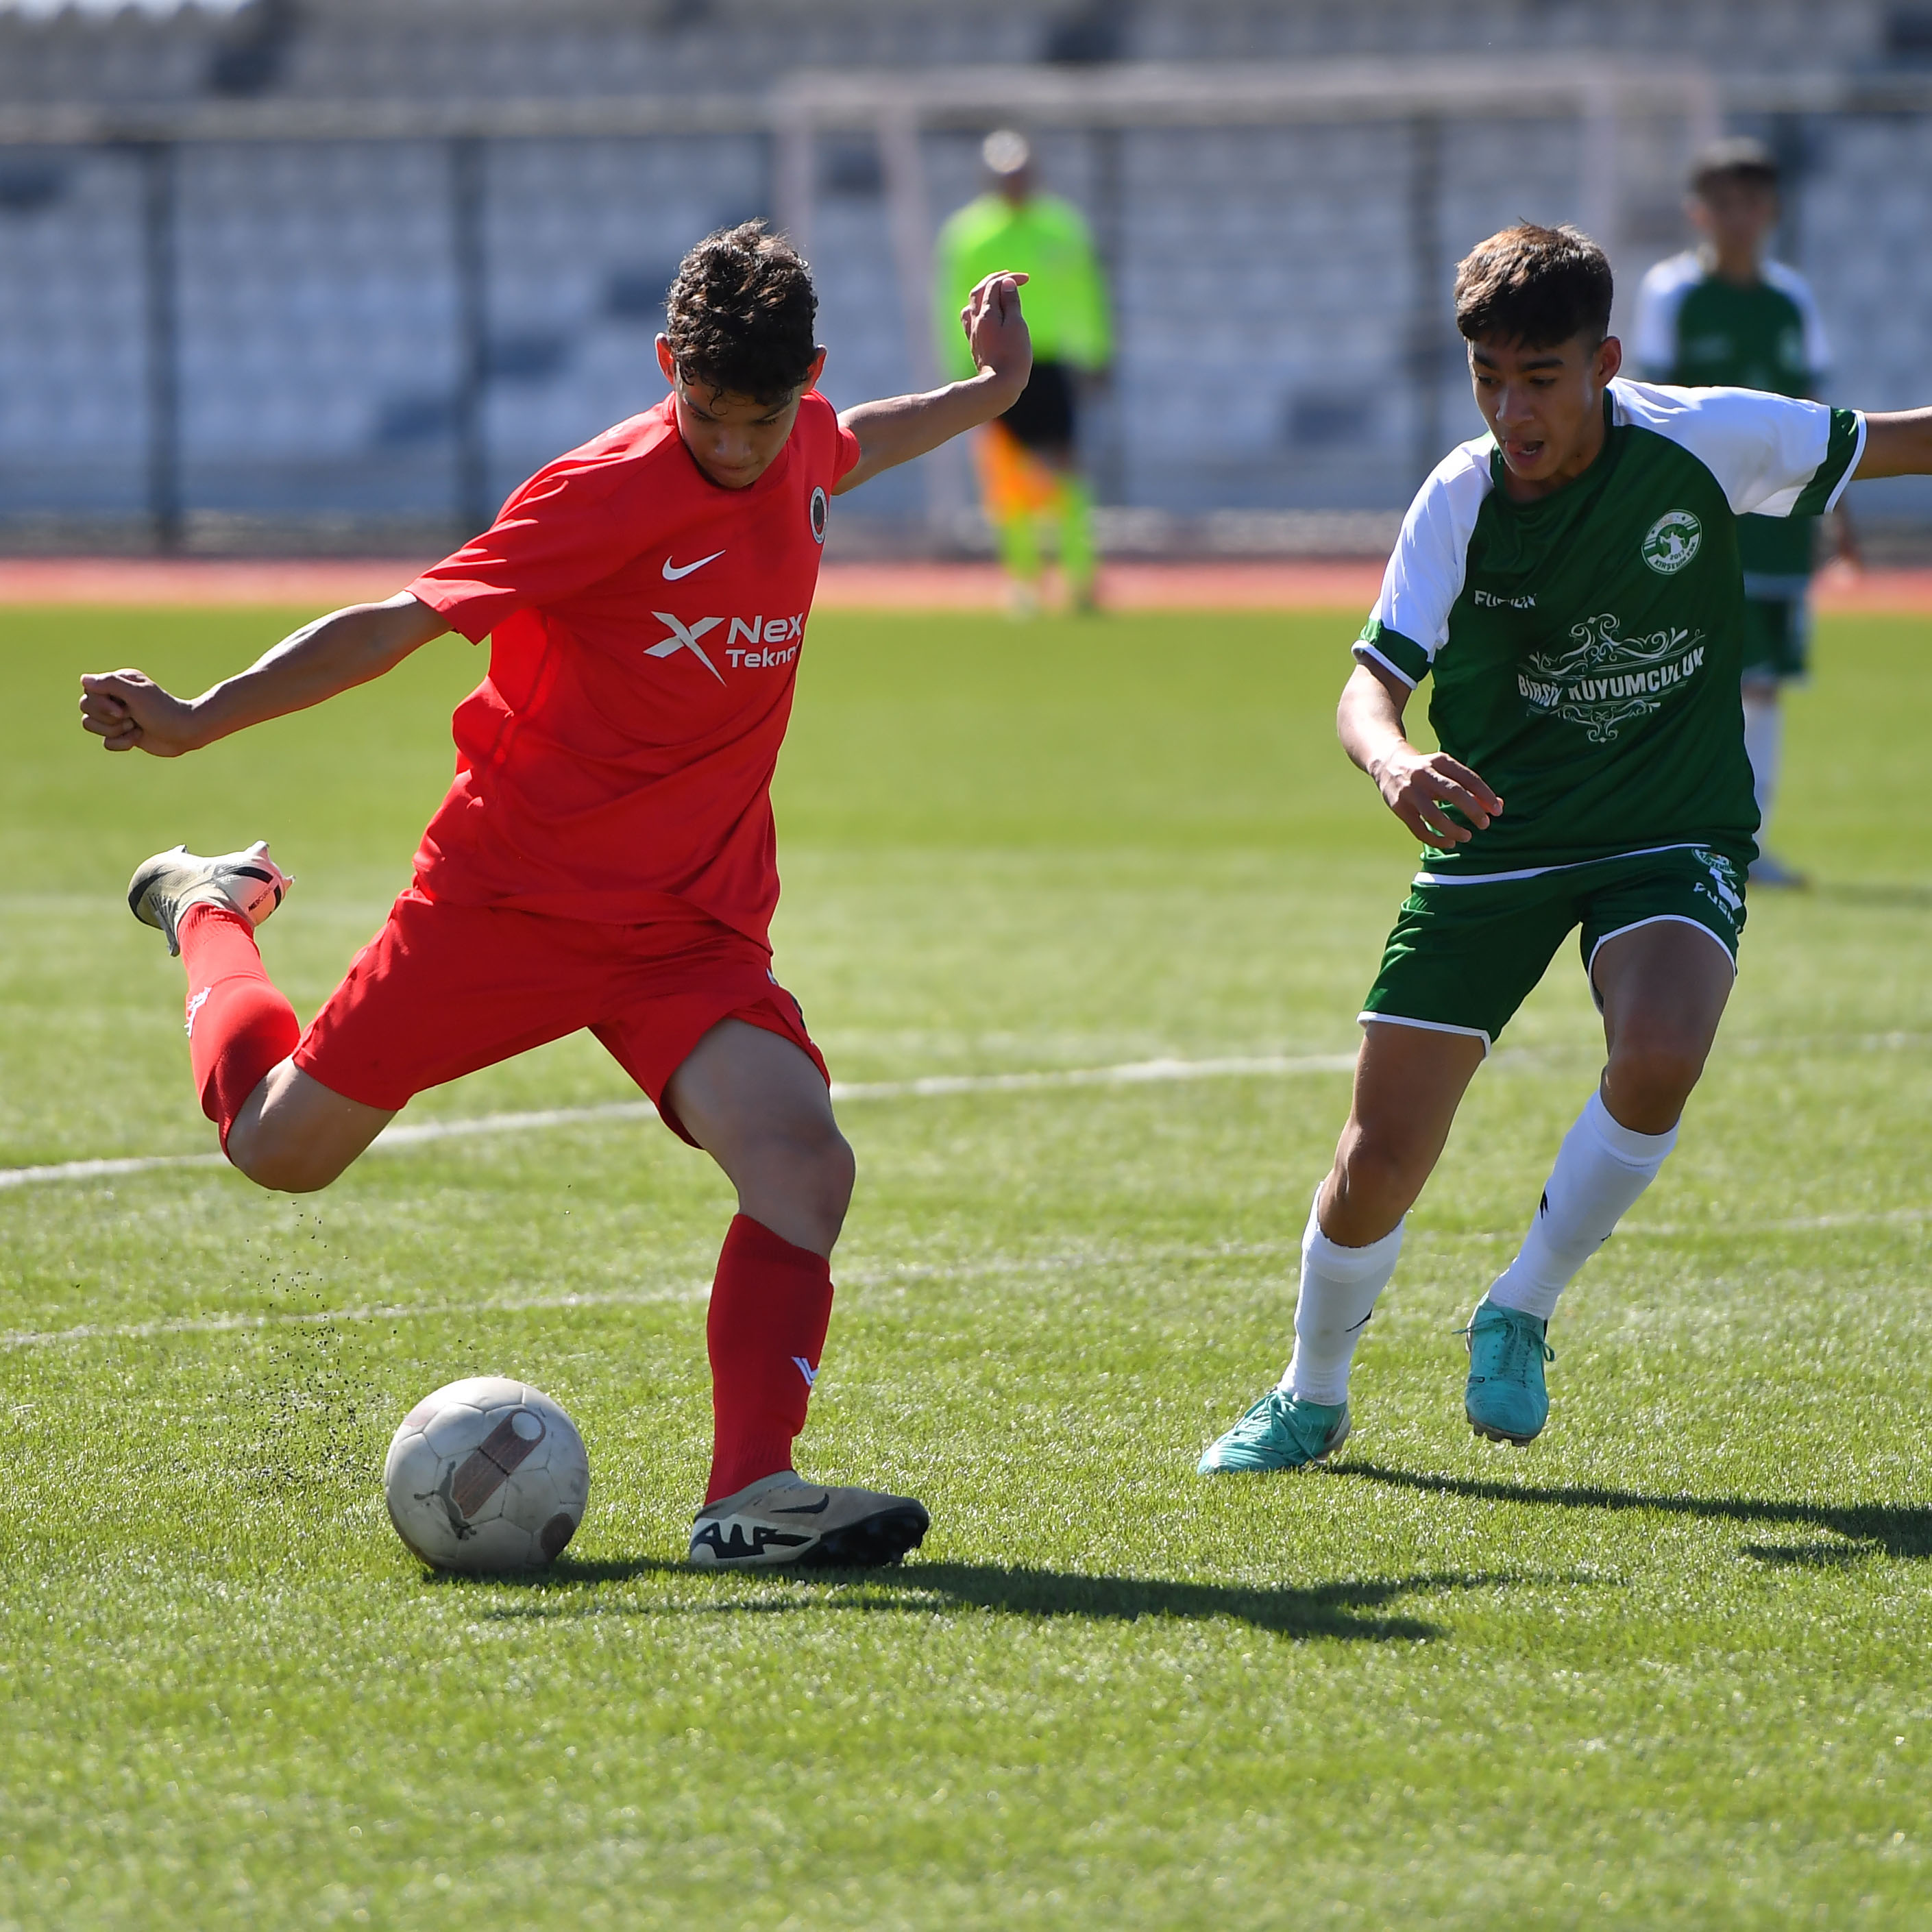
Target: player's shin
{"points": [[1601, 1169], [239, 1025], [770, 1305], [1339, 1289]]}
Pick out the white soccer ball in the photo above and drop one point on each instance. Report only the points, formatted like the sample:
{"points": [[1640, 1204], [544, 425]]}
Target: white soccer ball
{"points": [[487, 1474]]}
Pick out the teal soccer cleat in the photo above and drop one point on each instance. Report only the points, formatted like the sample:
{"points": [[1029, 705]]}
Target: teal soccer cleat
{"points": [[1280, 1432], [1505, 1399]]}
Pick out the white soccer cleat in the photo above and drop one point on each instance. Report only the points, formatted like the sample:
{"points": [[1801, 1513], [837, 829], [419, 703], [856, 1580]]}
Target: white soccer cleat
{"points": [[164, 886], [783, 1519]]}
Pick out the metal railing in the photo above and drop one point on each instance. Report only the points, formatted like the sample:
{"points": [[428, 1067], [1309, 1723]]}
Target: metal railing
{"points": [[1421, 96]]}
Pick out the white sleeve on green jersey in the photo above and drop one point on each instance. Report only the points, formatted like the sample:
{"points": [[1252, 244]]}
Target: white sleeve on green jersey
{"points": [[1817, 345], [1660, 301], [1765, 451], [1410, 622]]}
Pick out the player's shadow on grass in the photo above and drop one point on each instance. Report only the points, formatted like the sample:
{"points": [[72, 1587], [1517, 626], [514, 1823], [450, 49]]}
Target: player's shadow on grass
{"points": [[1897, 1529], [1359, 1611]]}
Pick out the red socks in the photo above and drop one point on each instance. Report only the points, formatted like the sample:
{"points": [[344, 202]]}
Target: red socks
{"points": [[239, 1025], [770, 1304]]}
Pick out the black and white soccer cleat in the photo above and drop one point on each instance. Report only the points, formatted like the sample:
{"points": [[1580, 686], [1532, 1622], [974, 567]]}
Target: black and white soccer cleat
{"points": [[164, 886], [782, 1519]]}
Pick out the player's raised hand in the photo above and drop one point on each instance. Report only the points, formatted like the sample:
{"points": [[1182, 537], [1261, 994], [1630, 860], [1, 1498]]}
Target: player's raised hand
{"points": [[127, 711], [996, 331], [897, 428], [1419, 786]]}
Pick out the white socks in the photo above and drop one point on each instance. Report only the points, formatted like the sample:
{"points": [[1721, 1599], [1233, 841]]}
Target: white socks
{"points": [[1600, 1170], [1764, 745], [1338, 1287]]}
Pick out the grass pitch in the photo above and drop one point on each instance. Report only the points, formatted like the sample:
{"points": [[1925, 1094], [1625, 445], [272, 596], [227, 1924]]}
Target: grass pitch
{"points": [[1669, 1667]]}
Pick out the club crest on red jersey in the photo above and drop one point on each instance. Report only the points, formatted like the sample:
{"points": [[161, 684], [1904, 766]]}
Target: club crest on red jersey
{"points": [[820, 507]]}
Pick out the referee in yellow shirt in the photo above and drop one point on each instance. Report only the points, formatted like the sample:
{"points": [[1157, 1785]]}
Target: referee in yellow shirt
{"points": [[1028, 460]]}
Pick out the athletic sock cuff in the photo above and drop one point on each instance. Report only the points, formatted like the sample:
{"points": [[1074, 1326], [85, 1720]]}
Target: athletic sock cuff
{"points": [[1625, 1143], [202, 910], [749, 1240], [1341, 1264]]}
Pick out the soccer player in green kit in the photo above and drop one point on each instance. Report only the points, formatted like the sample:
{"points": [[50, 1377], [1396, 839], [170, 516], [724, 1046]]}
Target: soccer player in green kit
{"points": [[1571, 582], [1028, 460], [1722, 315]]}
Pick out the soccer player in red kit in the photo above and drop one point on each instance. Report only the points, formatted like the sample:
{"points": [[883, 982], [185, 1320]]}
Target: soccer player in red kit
{"points": [[605, 858]]}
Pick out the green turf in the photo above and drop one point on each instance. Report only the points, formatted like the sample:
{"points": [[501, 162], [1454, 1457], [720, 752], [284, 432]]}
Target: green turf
{"points": [[1669, 1667]]}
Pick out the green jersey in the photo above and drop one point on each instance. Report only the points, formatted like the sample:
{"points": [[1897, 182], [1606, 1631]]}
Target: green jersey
{"points": [[1693, 327], [1585, 646], [1043, 238]]}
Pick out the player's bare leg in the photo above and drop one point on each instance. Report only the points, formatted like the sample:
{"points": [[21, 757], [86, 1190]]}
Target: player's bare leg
{"points": [[1662, 987], [1409, 1081], [757, 1104], [294, 1135]]}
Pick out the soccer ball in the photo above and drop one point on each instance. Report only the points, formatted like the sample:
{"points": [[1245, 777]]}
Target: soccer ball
{"points": [[487, 1474]]}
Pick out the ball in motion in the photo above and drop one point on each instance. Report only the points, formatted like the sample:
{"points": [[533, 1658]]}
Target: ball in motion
{"points": [[487, 1474]]}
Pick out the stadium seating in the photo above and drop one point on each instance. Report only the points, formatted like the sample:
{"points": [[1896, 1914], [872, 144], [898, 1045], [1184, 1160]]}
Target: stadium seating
{"points": [[1274, 349]]}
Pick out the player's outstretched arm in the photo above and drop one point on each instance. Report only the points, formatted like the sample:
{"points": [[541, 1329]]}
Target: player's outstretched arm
{"points": [[1416, 785], [895, 431], [128, 711], [1898, 443]]}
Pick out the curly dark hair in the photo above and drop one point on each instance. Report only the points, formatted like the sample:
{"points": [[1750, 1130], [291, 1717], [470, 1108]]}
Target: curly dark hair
{"points": [[1535, 286], [740, 314]]}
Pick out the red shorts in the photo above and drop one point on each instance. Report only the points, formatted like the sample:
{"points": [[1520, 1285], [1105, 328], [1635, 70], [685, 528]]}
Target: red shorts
{"points": [[444, 989]]}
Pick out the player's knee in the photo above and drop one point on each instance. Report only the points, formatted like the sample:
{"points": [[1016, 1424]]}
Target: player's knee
{"points": [[807, 1173], [833, 1172], [1657, 1068], [279, 1162]]}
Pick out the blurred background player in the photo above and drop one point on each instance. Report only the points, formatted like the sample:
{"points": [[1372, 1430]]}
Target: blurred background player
{"points": [[1029, 460], [1722, 315]]}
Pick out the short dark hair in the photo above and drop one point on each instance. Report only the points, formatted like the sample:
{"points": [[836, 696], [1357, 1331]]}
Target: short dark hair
{"points": [[1738, 158], [1536, 285], [740, 314]]}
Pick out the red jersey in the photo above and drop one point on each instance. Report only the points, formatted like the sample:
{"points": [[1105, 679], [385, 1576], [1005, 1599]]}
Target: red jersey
{"points": [[645, 624]]}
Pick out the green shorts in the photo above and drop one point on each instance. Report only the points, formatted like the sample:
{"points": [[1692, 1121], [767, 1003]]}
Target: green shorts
{"points": [[1778, 639], [1465, 953]]}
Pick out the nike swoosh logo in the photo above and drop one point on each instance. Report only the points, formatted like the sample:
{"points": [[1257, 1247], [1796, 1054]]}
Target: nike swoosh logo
{"points": [[673, 571], [818, 1508]]}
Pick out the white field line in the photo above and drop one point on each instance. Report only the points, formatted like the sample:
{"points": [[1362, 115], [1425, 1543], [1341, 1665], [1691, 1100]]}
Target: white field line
{"points": [[861, 1275], [221, 1324], [104, 1170], [398, 1136], [401, 1135]]}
